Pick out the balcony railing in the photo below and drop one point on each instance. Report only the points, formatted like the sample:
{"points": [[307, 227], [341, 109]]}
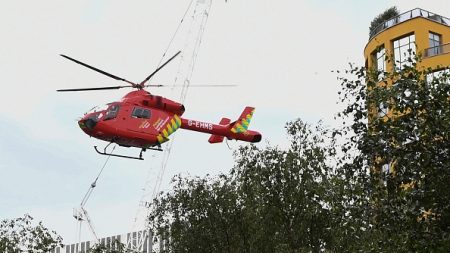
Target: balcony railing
{"points": [[414, 13], [437, 50]]}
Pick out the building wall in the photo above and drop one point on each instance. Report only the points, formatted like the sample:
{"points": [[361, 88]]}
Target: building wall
{"points": [[420, 23], [131, 240], [419, 26]]}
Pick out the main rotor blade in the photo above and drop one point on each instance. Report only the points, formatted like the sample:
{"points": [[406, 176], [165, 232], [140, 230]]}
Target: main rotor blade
{"points": [[160, 67], [98, 88], [192, 85], [99, 70]]}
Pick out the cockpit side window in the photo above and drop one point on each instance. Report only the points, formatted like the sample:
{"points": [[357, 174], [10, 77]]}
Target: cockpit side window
{"points": [[112, 112], [145, 114], [140, 113]]}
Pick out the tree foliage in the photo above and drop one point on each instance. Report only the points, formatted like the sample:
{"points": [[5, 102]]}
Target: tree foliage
{"points": [[381, 18], [273, 200], [405, 152], [378, 184], [20, 235]]}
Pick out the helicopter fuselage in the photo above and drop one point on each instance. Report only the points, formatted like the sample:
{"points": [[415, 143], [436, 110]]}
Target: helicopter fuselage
{"points": [[144, 120]]}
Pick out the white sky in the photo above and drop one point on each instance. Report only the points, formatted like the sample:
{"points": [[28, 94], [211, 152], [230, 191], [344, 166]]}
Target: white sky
{"points": [[280, 53]]}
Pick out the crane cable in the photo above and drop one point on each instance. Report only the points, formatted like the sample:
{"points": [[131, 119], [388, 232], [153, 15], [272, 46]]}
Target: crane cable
{"points": [[81, 212], [94, 184], [195, 51], [176, 32]]}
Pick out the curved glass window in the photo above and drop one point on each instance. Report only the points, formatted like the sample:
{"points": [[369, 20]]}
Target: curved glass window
{"points": [[98, 109], [112, 112]]}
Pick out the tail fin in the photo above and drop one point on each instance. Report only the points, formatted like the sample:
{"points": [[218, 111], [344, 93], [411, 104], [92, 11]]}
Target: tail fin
{"points": [[237, 130], [219, 138], [241, 125]]}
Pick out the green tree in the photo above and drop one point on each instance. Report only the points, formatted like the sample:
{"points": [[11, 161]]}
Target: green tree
{"points": [[381, 18], [202, 215], [286, 192], [20, 235], [403, 155], [273, 200], [314, 197]]}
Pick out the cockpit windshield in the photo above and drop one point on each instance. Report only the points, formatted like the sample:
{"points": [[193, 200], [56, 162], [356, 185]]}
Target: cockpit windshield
{"points": [[98, 109], [105, 112]]}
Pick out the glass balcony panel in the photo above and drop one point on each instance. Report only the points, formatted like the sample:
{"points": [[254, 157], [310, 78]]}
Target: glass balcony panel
{"points": [[410, 15], [437, 50]]}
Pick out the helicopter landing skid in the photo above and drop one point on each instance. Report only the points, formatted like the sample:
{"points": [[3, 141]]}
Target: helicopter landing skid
{"points": [[122, 156], [158, 148]]}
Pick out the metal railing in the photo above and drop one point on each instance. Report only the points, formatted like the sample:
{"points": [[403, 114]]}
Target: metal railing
{"points": [[437, 50], [414, 13]]}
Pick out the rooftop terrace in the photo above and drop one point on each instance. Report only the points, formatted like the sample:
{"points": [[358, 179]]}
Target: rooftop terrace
{"points": [[414, 13]]}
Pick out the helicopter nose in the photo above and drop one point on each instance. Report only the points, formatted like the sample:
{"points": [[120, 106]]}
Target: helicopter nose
{"points": [[88, 123]]}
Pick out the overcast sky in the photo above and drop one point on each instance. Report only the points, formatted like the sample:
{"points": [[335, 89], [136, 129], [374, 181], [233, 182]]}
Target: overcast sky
{"points": [[279, 53]]}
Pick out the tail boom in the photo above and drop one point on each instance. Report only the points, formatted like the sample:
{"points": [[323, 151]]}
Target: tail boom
{"points": [[233, 131]]}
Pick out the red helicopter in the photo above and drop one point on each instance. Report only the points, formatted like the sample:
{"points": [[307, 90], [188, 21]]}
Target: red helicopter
{"points": [[145, 121]]}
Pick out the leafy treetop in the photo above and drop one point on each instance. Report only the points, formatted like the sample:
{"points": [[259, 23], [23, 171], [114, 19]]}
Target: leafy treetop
{"points": [[381, 18]]}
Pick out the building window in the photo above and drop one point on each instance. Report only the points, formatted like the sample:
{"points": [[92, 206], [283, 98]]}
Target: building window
{"points": [[382, 109], [379, 59], [435, 44], [404, 51], [402, 93], [140, 113], [442, 75], [385, 172], [386, 168]]}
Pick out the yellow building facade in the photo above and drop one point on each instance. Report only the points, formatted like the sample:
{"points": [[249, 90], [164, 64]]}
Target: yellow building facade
{"points": [[416, 31], [422, 32]]}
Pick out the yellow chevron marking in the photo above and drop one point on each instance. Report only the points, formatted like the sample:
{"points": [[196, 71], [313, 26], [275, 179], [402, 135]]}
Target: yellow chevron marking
{"points": [[177, 120], [169, 129], [161, 139]]}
